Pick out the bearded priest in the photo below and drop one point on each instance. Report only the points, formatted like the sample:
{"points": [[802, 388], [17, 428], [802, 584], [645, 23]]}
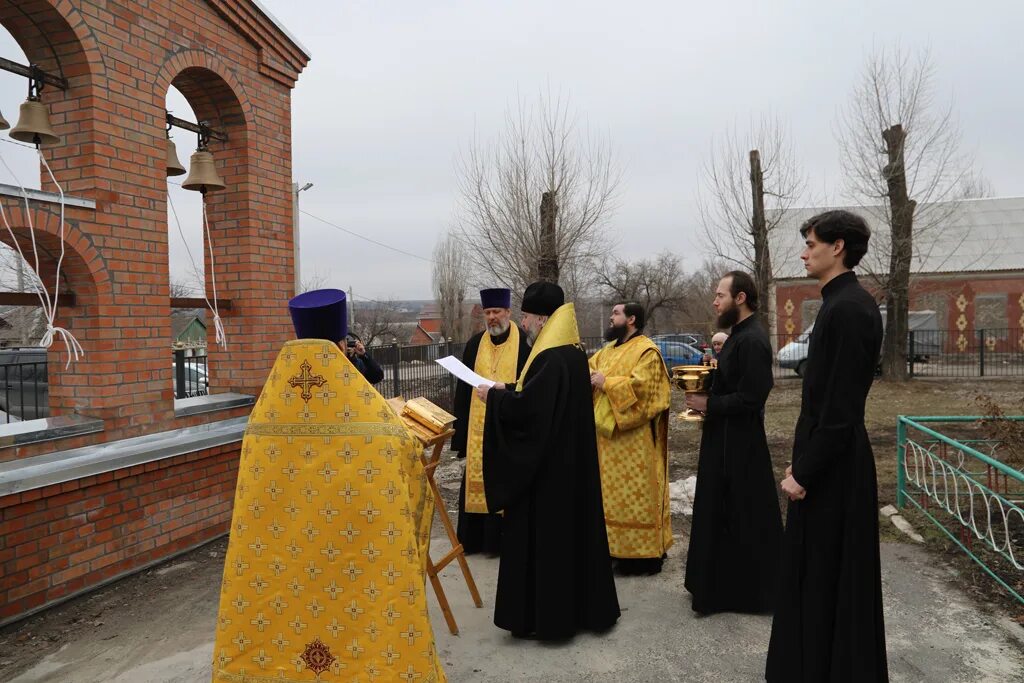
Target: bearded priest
{"points": [[540, 469], [632, 395], [497, 353]]}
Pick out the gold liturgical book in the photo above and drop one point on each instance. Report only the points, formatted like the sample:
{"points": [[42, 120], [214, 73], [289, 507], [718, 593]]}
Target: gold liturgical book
{"points": [[424, 418]]}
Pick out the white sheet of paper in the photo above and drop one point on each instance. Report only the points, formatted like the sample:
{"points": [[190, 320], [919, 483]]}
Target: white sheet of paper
{"points": [[457, 368]]}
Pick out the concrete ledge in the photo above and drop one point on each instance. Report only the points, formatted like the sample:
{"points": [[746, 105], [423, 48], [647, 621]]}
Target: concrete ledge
{"points": [[47, 429], [55, 468], [45, 197], [183, 407]]}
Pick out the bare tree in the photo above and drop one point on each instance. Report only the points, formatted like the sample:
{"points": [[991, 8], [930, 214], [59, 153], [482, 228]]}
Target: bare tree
{"points": [[377, 321], [902, 163], [542, 152], [182, 290], [315, 280], [27, 322], [697, 312], [976, 186], [749, 183], [449, 272], [658, 284]]}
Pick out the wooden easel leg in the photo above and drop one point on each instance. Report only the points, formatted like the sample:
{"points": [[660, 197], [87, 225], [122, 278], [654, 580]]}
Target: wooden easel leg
{"points": [[456, 552], [453, 537], [442, 599]]}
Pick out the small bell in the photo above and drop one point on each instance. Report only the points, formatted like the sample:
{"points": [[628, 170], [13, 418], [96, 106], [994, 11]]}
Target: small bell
{"points": [[174, 166], [202, 175], [3, 122], [34, 124]]}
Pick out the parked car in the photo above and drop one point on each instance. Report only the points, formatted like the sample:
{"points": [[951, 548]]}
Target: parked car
{"points": [[677, 353], [924, 325], [24, 386], [196, 381], [694, 339]]}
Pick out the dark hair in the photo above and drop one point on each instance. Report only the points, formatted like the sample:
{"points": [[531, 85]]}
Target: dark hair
{"points": [[632, 308], [832, 226], [742, 282]]}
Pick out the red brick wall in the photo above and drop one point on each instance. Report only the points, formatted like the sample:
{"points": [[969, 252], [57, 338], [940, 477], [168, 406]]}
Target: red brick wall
{"points": [[60, 539], [952, 286]]}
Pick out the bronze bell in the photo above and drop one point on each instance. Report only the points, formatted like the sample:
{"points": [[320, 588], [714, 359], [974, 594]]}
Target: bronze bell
{"points": [[202, 174], [3, 122], [174, 166], [34, 124]]}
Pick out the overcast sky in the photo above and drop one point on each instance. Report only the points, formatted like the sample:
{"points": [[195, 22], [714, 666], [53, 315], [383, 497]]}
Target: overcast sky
{"points": [[395, 91]]}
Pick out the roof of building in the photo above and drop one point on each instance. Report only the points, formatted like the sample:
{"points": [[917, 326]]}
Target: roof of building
{"points": [[281, 27], [183, 317], [969, 235]]}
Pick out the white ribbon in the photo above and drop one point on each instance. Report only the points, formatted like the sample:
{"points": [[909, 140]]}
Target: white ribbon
{"points": [[218, 326], [49, 305]]}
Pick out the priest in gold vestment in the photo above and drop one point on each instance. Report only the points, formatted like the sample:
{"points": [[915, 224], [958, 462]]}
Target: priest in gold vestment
{"points": [[324, 573], [498, 353], [632, 395]]}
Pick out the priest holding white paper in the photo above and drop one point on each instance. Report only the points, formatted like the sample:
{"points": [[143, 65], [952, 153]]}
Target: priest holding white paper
{"points": [[497, 355]]}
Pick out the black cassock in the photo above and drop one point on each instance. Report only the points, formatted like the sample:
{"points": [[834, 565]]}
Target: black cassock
{"points": [[478, 532], [732, 563], [828, 619], [541, 468]]}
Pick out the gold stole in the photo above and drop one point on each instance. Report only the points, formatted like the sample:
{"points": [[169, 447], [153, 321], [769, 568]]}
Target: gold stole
{"points": [[559, 330], [615, 361], [497, 363]]}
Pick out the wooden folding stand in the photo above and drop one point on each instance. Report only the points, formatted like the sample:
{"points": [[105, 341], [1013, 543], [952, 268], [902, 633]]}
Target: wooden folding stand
{"points": [[456, 553]]}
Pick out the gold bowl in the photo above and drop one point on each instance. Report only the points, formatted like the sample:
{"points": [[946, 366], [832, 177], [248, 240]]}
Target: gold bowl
{"points": [[692, 379]]}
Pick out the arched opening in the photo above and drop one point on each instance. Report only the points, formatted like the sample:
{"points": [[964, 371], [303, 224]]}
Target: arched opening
{"points": [[20, 162], [33, 33], [191, 325], [197, 271]]}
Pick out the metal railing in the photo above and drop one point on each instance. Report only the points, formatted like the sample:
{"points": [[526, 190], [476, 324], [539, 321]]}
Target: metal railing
{"points": [[191, 375], [26, 391], [410, 371], [25, 387], [953, 482], [932, 353]]}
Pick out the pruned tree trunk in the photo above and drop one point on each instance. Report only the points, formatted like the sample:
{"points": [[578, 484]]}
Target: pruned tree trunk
{"points": [[759, 233], [894, 347], [547, 264]]}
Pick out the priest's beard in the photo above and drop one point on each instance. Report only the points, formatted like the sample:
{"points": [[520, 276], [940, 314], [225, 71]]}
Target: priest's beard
{"points": [[728, 317], [498, 329], [615, 333]]}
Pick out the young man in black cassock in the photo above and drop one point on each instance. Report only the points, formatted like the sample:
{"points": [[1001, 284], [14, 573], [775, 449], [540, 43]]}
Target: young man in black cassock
{"points": [[541, 469], [828, 618], [481, 531], [732, 563]]}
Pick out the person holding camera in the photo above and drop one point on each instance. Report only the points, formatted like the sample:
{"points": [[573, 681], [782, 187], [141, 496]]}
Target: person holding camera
{"points": [[357, 355]]}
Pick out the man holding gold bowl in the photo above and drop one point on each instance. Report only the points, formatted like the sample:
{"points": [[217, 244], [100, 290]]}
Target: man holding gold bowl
{"points": [[737, 527]]}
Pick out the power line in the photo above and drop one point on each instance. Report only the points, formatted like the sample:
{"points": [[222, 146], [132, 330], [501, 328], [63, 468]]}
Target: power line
{"points": [[373, 241]]}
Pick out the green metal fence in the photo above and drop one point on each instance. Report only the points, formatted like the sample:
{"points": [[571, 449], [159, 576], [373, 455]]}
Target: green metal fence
{"points": [[962, 486]]}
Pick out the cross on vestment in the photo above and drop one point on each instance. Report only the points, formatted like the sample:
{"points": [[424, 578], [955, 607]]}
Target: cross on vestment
{"points": [[326, 355], [307, 380]]}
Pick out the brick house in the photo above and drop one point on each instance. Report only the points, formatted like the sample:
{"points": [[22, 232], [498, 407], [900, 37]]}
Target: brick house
{"points": [[969, 269]]}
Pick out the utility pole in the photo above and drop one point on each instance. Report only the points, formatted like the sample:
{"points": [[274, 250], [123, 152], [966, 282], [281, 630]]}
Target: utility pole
{"points": [[351, 309], [295, 232]]}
